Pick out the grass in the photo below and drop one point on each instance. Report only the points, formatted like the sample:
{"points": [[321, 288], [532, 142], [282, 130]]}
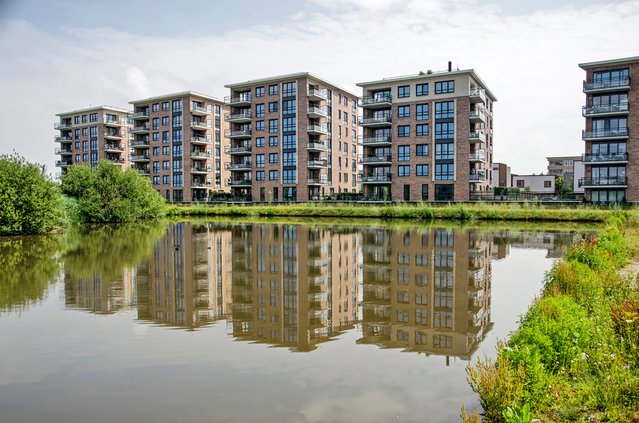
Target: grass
{"points": [[424, 211], [575, 354]]}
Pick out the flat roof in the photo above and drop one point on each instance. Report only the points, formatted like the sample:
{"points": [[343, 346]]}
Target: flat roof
{"points": [[93, 109], [423, 75], [285, 77], [563, 157], [622, 61], [173, 95]]}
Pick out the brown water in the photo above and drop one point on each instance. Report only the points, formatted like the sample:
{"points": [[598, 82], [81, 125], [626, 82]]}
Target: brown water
{"points": [[191, 322]]}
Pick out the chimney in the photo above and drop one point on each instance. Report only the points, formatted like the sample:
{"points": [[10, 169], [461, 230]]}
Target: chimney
{"points": [[450, 66]]}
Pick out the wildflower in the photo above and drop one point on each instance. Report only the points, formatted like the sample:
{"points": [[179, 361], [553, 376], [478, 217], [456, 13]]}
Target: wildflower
{"points": [[626, 367]]}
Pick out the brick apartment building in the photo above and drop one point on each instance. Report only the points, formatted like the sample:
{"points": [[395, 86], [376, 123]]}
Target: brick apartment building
{"points": [[292, 138], [93, 134], [178, 142], [427, 136], [611, 135]]}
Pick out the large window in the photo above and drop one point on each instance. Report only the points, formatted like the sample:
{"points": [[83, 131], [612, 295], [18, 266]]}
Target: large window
{"points": [[289, 124], [272, 125], [289, 141], [259, 110], [444, 171], [616, 75], [445, 151], [444, 87], [288, 89], [445, 109], [421, 111], [421, 89], [289, 176], [259, 160], [444, 130], [289, 159], [403, 153], [288, 107], [403, 91]]}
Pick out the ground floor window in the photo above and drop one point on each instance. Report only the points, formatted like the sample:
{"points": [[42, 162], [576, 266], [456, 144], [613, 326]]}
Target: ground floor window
{"points": [[177, 195], [444, 192], [608, 196], [289, 194], [406, 192], [424, 192]]}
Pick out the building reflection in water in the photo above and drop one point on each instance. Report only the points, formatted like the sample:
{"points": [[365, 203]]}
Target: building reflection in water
{"points": [[100, 294], [426, 290]]}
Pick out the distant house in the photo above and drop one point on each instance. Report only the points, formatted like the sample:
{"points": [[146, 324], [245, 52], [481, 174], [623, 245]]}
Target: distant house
{"points": [[500, 175], [537, 184]]}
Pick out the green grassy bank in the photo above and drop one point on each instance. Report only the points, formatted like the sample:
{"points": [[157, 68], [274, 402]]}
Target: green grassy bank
{"points": [[524, 212], [575, 355]]}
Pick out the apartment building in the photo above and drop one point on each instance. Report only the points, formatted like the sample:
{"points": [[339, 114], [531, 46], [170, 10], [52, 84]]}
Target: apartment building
{"points": [[427, 136], [611, 132], [292, 138], [500, 176], [178, 143], [562, 165], [89, 135]]}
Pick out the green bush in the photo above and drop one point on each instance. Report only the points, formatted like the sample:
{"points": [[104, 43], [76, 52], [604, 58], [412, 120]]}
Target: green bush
{"points": [[29, 202], [106, 194]]}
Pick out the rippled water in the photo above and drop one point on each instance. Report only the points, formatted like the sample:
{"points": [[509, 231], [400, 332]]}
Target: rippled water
{"points": [[190, 322]]}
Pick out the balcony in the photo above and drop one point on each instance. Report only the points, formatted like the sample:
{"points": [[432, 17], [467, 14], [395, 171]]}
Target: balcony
{"points": [[605, 110], [317, 94], [200, 111], [242, 166], [241, 117], [141, 158], [201, 169], [239, 182], [605, 134], [114, 135], [369, 160], [201, 184], [317, 146], [63, 138], [477, 176], [477, 136], [317, 112], [114, 122], [64, 151], [200, 155], [144, 171], [379, 101], [378, 140], [317, 164], [375, 122], [201, 140], [63, 163], [314, 129], [113, 148], [62, 125], [477, 96], [477, 116], [609, 85], [200, 124], [240, 149], [620, 182], [117, 161], [604, 158], [140, 144], [477, 156], [317, 181], [376, 179], [243, 99], [238, 133], [142, 129], [140, 115]]}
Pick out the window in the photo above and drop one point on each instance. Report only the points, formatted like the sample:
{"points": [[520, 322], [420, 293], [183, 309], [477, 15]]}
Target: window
{"points": [[259, 175], [273, 140], [289, 124], [165, 179], [156, 123], [176, 105], [403, 170], [421, 170], [421, 316], [156, 151], [165, 137], [165, 120], [289, 141], [403, 111], [445, 151], [424, 192], [421, 89], [259, 160], [272, 89], [165, 106], [177, 121], [421, 111], [177, 136], [177, 152], [93, 117], [259, 110], [273, 175], [288, 106], [156, 167], [259, 91], [259, 125], [520, 183], [272, 125], [421, 150], [273, 157], [403, 91], [84, 120], [421, 130], [444, 87], [259, 142], [166, 151], [403, 153], [177, 181], [273, 106], [165, 165], [445, 109], [288, 177], [403, 131], [444, 130], [85, 132], [444, 172]]}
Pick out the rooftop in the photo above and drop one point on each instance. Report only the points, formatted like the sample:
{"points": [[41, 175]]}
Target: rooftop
{"points": [[175, 95], [284, 77], [94, 109], [623, 61]]}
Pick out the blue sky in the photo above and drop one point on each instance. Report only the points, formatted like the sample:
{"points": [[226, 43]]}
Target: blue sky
{"points": [[66, 55]]}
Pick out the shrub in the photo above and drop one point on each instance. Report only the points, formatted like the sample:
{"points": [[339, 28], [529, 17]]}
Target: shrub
{"points": [[29, 202], [106, 194]]}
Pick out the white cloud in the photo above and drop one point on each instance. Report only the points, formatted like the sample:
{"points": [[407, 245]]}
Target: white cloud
{"points": [[529, 61]]}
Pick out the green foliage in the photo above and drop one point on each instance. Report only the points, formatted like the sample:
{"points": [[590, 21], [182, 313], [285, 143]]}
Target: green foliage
{"points": [[106, 194], [563, 187], [517, 414], [29, 264], [29, 202]]}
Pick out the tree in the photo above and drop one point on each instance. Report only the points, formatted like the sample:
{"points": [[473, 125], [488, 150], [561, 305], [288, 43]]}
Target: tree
{"points": [[562, 187], [106, 194], [29, 202]]}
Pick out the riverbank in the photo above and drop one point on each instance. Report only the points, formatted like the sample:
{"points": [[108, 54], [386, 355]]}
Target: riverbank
{"points": [[575, 355], [525, 212]]}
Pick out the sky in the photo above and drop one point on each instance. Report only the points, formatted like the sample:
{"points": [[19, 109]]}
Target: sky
{"points": [[65, 55]]}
